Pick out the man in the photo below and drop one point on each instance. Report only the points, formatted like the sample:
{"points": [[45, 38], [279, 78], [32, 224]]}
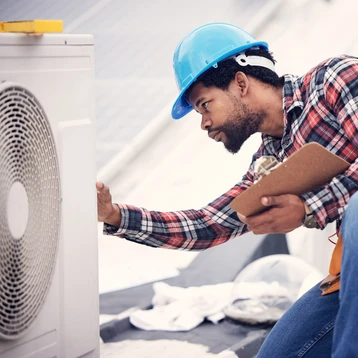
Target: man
{"points": [[229, 79]]}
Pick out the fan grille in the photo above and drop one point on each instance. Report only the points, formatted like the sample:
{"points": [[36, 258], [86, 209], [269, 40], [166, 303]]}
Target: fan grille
{"points": [[30, 209]]}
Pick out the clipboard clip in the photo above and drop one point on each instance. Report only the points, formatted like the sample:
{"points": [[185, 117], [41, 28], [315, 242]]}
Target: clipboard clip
{"points": [[264, 165]]}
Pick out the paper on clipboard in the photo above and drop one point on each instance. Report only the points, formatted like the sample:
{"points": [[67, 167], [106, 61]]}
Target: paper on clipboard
{"points": [[309, 168]]}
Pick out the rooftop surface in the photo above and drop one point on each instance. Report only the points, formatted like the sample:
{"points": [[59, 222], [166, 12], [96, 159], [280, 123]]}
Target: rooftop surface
{"points": [[134, 84], [180, 168]]}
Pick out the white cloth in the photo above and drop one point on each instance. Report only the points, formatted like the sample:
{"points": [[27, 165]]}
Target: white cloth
{"points": [[182, 309]]}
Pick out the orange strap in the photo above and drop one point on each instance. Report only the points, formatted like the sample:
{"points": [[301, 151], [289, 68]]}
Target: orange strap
{"points": [[332, 282]]}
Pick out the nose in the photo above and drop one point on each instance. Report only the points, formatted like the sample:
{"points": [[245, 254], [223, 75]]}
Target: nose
{"points": [[205, 122]]}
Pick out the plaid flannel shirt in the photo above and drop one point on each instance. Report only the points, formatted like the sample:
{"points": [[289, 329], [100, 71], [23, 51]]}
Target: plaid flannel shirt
{"points": [[321, 106]]}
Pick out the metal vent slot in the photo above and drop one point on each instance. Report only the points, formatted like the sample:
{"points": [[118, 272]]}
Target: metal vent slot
{"points": [[30, 209]]}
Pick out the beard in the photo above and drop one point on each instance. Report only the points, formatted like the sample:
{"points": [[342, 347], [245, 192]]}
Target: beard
{"points": [[239, 126]]}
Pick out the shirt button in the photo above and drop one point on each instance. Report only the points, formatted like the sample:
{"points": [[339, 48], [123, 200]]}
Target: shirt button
{"points": [[286, 142]]}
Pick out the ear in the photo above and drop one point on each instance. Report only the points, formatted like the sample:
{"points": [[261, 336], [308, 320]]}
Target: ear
{"points": [[242, 82]]}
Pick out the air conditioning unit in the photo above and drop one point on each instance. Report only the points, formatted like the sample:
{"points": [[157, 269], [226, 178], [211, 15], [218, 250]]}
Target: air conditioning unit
{"points": [[48, 228]]}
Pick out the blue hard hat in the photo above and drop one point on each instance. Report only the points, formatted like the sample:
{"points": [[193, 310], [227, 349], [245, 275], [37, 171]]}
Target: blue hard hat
{"points": [[204, 48]]}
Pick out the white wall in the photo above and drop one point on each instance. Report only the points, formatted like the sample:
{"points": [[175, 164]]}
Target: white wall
{"points": [[183, 169]]}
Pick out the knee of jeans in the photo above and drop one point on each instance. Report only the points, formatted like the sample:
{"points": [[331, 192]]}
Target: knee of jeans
{"points": [[350, 217], [353, 203]]}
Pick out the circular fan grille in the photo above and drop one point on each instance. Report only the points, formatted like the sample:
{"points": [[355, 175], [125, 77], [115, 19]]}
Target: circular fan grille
{"points": [[30, 209]]}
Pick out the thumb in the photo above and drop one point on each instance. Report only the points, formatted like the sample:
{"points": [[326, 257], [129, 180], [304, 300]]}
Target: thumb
{"points": [[271, 200]]}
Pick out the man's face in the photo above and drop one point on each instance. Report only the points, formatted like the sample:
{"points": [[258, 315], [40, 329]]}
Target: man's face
{"points": [[224, 116]]}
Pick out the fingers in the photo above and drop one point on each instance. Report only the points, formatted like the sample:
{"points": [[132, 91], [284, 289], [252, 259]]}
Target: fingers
{"points": [[283, 214], [104, 202], [102, 189], [99, 185], [242, 218], [258, 222], [103, 194]]}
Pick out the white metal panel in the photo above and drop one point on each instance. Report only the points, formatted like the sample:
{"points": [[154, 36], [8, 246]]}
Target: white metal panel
{"points": [[78, 253], [59, 71], [45, 40]]}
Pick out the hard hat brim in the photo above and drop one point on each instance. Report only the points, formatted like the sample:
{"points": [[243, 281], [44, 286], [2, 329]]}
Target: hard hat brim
{"points": [[181, 106]]}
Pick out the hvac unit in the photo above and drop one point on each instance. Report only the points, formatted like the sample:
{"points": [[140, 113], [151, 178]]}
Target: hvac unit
{"points": [[48, 238]]}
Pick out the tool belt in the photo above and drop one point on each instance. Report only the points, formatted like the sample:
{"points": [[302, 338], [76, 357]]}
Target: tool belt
{"points": [[332, 282]]}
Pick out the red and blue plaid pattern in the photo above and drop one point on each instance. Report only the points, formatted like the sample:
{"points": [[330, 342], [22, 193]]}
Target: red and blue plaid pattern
{"points": [[321, 106]]}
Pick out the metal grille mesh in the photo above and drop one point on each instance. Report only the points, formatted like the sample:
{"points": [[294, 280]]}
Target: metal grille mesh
{"points": [[27, 157]]}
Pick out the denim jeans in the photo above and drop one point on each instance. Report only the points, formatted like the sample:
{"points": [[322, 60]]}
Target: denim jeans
{"points": [[319, 326]]}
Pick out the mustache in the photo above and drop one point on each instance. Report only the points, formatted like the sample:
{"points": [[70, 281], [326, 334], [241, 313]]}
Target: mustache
{"points": [[217, 129]]}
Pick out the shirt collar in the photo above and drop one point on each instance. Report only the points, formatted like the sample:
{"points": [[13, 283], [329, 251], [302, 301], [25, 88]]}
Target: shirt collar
{"points": [[292, 100], [291, 94]]}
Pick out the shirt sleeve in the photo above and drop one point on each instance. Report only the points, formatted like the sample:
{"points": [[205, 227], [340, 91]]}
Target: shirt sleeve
{"points": [[212, 225], [340, 90]]}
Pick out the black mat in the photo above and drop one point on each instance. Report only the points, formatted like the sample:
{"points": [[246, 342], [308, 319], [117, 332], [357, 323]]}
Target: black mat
{"points": [[213, 266]]}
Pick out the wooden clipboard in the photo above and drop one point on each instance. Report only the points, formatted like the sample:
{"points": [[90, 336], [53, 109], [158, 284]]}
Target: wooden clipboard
{"points": [[309, 168]]}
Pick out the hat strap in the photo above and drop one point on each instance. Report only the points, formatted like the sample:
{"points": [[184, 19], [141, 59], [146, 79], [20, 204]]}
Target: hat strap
{"points": [[244, 60]]}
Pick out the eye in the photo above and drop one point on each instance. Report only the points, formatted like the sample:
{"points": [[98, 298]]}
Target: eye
{"points": [[205, 105]]}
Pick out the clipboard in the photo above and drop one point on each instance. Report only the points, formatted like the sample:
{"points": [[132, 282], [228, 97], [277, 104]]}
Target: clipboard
{"points": [[309, 168]]}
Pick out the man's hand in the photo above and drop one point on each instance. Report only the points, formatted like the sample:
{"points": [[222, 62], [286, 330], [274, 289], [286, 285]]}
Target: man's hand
{"points": [[107, 212], [284, 214]]}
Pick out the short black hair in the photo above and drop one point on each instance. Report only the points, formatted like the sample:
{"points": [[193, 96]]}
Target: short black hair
{"points": [[226, 70]]}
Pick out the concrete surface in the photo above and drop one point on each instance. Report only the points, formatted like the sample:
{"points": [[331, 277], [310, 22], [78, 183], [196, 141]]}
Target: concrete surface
{"points": [[180, 168]]}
